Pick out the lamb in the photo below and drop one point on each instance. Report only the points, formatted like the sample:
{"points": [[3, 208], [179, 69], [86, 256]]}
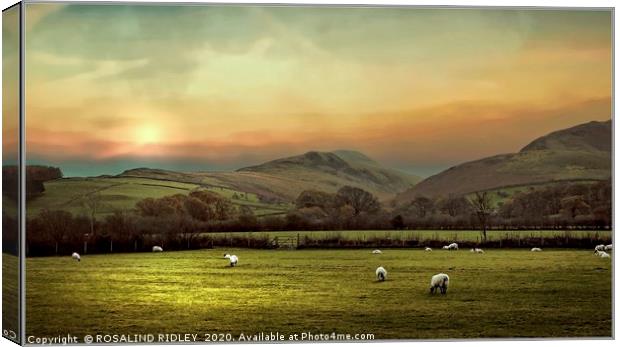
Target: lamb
{"points": [[76, 256], [157, 249], [609, 247], [477, 250], [445, 247], [377, 251], [226, 256], [233, 260], [440, 281], [536, 249], [454, 246], [599, 248], [428, 249], [381, 274]]}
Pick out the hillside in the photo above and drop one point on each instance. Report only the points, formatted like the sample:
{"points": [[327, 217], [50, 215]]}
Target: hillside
{"points": [[267, 189], [582, 152], [282, 180], [328, 171]]}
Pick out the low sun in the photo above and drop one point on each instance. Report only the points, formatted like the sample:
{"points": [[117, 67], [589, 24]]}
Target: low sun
{"points": [[147, 134]]}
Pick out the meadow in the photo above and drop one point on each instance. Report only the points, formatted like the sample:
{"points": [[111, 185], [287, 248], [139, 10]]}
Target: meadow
{"points": [[122, 193], [421, 235], [502, 293]]}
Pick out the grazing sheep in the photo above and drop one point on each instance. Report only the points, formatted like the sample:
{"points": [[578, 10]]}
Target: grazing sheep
{"points": [[609, 247], [536, 249], [226, 256], [428, 249], [440, 281], [445, 247], [157, 249], [377, 251], [602, 254], [381, 274], [453, 246], [599, 248], [233, 260], [76, 256], [477, 250]]}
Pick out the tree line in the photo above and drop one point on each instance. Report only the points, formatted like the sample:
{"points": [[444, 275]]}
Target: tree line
{"points": [[184, 221]]}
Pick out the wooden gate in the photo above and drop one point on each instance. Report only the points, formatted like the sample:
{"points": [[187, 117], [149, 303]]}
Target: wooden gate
{"points": [[290, 242]]}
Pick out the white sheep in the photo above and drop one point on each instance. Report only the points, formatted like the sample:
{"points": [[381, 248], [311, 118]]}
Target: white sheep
{"points": [[599, 248], [440, 281], [445, 247], [377, 251], [536, 249], [381, 274], [233, 260], [157, 249], [602, 254], [476, 250], [609, 247], [428, 249], [453, 246], [76, 256], [226, 256]]}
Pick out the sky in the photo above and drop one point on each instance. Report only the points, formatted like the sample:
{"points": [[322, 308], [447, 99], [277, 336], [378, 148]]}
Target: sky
{"points": [[112, 87]]}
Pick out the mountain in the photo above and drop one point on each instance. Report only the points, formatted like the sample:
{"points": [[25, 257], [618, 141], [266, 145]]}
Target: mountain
{"points": [[582, 152], [282, 180], [336, 169]]}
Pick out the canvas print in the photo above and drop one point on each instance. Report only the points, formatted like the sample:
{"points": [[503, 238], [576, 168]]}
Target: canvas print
{"points": [[217, 173], [10, 184]]}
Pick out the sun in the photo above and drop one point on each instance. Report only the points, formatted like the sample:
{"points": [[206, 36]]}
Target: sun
{"points": [[147, 134]]}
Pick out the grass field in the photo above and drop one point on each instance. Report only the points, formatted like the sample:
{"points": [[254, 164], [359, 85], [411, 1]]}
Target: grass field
{"points": [[122, 193], [441, 235], [503, 293], [10, 294]]}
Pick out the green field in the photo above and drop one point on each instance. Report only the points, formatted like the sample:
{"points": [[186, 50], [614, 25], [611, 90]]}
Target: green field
{"points": [[122, 193], [10, 292], [422, 235], [503, 293]]}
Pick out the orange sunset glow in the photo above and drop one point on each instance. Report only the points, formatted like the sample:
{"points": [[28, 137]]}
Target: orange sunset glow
{"points": [[221, 87]]}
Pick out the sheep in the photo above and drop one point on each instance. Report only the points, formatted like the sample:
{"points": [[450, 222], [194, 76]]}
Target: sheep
{"points": [[599, 248], [76, 256], [233, 260], [428, 249], [440, 281], [157, 249], [536, 249], [226, 256], [381, 274], [602, 254], [609, 247], [454, 246], [445, 247], [477, 250], [377, 251]]}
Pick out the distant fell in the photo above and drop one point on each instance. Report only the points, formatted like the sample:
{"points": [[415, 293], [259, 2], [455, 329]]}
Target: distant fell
{"points": [[582, 152]]}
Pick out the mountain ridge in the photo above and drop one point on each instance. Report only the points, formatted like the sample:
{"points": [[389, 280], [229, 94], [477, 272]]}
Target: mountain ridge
{"points": [[576, 153]]}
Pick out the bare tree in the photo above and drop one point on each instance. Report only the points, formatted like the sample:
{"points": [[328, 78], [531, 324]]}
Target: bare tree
{"points": [[57, 225], [481, 204], [360, 200], [422, 206], [92, 203]]}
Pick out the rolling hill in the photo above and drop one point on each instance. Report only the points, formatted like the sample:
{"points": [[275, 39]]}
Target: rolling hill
{"points": [[282, 180], [268, 188], [582, 152]]}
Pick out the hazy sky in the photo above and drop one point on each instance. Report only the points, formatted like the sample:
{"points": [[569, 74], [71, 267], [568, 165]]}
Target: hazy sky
{"points": [[111, 87]]}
